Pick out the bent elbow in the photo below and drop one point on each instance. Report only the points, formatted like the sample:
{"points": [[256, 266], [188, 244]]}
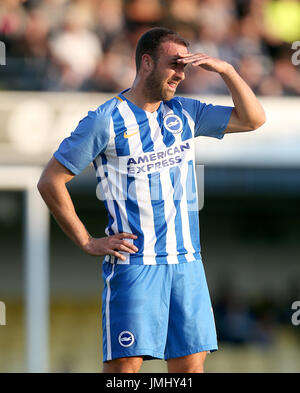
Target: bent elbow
{"points": [[42, 185], [258, 122]]}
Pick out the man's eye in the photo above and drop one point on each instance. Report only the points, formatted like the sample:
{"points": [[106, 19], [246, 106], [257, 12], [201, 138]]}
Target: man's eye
{"points": [[175, 64]]}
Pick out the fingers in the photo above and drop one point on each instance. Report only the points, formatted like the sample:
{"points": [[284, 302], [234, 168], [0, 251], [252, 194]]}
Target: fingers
{"points": [[121, 247], [127, 247], [195, 59], [118, 244], [199, 62], [123, 244], [187, 56], [117, 254], [125, 235], [206, 62], [111, 245]]}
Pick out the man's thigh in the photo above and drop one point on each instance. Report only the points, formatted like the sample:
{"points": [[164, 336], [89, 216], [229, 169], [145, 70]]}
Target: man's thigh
{"points": [[135, 310], [191, 327]]}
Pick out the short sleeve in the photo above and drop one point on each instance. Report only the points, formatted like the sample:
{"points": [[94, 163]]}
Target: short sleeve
{"points": [[210, 120], [86, 142]]}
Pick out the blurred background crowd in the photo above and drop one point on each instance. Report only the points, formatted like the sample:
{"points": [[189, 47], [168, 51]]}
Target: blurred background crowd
{"points": [[88, 45]]}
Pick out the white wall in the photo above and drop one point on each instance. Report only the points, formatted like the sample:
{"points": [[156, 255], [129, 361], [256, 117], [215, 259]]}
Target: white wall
{"points": [[33, 124]]}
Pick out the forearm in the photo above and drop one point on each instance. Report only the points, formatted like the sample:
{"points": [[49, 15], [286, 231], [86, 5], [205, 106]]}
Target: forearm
{"points": [[248, 114], [248, 109], [59, 202]]}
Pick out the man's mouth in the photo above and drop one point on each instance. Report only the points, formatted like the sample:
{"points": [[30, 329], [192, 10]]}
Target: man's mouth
{"points": [[173, 85]]}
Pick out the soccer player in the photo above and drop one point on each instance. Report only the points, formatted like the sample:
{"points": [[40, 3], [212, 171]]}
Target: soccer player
{"points": [[156, 303]]}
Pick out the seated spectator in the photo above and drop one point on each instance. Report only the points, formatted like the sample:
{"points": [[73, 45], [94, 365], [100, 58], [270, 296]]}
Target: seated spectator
{"points": [[76, 50]]}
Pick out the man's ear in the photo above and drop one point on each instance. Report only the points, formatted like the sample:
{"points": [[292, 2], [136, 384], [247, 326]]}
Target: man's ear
{"points": [[147, 62]]}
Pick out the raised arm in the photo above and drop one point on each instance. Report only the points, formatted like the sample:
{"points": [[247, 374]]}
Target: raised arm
{"points": [[52, 187], [248, 114]]}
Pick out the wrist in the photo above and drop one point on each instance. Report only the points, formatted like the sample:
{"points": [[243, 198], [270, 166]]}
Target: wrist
{"points": [[227, 70], [85, 244]]}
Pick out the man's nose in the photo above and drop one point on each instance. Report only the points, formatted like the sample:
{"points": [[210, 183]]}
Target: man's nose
{"points": [[180, 73]]}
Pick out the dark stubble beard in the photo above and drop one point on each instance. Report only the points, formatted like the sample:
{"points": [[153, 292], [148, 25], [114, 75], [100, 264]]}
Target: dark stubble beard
{"points": [[154, 88]]}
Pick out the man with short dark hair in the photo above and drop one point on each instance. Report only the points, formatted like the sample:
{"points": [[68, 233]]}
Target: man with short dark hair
{"points": [[156, 302]]}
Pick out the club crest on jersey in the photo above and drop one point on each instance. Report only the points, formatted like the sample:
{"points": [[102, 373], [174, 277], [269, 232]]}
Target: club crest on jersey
{"points": [[126, 338], [173, 123]]}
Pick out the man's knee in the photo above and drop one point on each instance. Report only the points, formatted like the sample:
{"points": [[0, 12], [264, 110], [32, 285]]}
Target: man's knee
{"points": [[123, 365], [188, 364]]}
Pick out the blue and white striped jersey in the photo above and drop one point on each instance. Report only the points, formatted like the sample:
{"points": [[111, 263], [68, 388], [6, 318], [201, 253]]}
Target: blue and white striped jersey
{"points": [[145, 168]]}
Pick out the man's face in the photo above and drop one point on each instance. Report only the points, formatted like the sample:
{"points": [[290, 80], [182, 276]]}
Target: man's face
{"points": [[162, 83]]}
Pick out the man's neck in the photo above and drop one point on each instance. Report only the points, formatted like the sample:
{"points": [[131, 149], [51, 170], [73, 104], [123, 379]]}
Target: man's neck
{"points": [[137, 97]]}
